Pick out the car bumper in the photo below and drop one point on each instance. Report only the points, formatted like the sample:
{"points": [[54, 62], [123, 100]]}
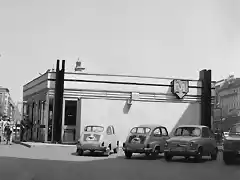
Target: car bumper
{"points": [[186, 152], [233, 152], [137, 150], [91, 147]]}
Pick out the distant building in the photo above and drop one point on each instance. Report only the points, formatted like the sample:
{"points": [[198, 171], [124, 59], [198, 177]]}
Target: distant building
{"points": [[228, 100], [6, 104]]}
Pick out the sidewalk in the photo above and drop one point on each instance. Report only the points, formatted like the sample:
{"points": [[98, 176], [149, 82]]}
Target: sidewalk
{"points": [[39, 144]]}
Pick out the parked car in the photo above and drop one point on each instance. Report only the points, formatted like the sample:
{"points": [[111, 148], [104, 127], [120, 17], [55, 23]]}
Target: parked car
{"points": [[231, 145], [146, 139], [191, 140], [98, 138], [225, 134]]}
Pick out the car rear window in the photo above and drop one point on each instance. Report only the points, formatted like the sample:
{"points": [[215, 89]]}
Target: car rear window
{"points": [[188, 131], [141, 130], [94, 129]]}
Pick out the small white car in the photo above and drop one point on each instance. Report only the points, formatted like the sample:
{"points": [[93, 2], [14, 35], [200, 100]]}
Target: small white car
{"points": [[99, 139]]}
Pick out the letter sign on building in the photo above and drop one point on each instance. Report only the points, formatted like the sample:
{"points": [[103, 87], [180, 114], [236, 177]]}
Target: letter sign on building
{"points": [[180, 88]]}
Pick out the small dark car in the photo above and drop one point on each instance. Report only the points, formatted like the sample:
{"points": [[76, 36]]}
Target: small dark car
{"points": [[231, 145], [146, 139]]}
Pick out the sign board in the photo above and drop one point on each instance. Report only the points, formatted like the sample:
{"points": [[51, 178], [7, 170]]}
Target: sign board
{"points": [[180, 88], [217, 114]]}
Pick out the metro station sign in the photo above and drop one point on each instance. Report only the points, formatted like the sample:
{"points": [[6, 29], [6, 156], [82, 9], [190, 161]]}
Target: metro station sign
{"points": [[180, 88]]}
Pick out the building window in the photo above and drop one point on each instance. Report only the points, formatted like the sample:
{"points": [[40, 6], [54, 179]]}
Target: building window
{"points": [[70, 113]]}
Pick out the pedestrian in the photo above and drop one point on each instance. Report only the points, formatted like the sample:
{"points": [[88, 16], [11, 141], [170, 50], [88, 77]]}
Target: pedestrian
{"points": [[22, 131], [1, 129], [8, 130]]}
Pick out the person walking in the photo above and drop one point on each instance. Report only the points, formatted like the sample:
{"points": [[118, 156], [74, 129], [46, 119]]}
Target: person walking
{"points": [[1, 129], [8, 130], [22, 130]]}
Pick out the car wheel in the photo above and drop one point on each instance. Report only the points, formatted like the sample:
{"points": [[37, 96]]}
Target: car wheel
{"points": [[80, 152], [107, 152], [115, 150], [187, 157], [147, 154], [228, 158], [168, 157], [198, 157], [214, 154], [128, 154], [155, 153]]}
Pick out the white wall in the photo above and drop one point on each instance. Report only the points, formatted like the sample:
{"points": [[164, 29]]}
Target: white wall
{"points": [[111, 112]]}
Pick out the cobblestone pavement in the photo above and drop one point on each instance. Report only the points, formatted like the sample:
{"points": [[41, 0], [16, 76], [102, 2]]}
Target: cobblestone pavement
{"points": [[48, 162]]}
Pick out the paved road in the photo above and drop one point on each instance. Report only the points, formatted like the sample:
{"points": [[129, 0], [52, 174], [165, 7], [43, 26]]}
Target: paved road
{"points": [[50, 163]]}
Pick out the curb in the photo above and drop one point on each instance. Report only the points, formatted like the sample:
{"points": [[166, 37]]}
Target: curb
{"points": [[23, 144], [30, 145]]}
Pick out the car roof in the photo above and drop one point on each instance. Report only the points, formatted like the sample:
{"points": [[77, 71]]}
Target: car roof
{"points": [[152, 126], [104, 126], [199, 126]]}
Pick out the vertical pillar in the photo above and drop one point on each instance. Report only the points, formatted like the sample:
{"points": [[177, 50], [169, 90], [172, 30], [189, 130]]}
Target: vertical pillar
{"points": [[46, 117], [62, 72], [78, 120], [206, 109], [58, 102]]}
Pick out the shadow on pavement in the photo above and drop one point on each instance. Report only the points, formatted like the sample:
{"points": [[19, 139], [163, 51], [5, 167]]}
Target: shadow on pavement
{"points": [[140, 157], [91, 154], [190, 160], [108, 169]]}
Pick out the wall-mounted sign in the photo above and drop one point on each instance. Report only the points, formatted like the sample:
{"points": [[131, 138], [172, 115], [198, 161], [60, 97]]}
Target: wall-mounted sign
{"points": [[180, 88]]}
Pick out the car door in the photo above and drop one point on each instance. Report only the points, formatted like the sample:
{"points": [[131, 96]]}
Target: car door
{"points": [[213, 140], [113, 138], [165, 136], [157, 137], [206, 140], [108, 134]]}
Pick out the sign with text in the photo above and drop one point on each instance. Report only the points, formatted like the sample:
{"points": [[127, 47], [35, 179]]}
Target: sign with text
{"points": [[180, 88]]}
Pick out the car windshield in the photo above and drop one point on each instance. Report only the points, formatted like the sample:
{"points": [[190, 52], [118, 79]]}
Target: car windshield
{"points": [[235, 130], [94, 129], [141, 130], [188, 131]]}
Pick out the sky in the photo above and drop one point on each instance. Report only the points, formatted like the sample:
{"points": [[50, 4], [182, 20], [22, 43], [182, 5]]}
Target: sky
{"points": [[136, 37]]}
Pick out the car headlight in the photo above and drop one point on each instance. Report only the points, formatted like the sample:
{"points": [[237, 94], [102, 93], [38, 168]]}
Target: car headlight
{"points": [[192, 144]]}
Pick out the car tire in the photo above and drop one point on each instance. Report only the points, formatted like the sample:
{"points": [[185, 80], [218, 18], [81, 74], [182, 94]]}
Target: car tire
{"points": [[80, 152], [199, 155], [214, 154], [168, 157], [187, 157], [128, 154], [115, 150], [147, 154], [228, 158], [107, 152], [155, 153]]}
